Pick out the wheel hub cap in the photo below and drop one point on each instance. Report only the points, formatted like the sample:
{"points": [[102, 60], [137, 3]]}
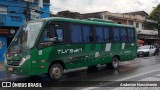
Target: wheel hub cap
{"points": [[56, 71]]}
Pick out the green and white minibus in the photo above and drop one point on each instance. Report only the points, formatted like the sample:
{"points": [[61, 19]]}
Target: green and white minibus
{"points": [[52, 45]]}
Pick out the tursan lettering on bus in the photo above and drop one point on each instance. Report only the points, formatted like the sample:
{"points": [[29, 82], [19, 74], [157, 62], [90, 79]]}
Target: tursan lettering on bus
{"points": [[62, 51]]}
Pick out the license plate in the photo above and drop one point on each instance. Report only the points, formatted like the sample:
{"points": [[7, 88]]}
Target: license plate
{"points": [[140, 52], [10, 69]]}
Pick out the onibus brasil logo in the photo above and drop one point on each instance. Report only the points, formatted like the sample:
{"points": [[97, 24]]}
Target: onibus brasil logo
{"points": [[15, 84]]}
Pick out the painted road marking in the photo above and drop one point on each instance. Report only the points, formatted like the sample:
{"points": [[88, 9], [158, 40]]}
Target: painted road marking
{"points": [[123, 79], [158, 75], [150, 79]]}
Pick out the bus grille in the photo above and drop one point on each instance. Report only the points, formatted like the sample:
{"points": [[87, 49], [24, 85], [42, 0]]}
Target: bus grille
{"points": [[13, 63]]}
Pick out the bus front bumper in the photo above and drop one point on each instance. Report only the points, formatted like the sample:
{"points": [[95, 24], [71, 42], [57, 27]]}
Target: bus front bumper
{"points": [[13, 69], [19, 70]]}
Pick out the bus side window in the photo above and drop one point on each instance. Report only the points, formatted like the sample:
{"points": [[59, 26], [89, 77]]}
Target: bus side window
{"points": [[87, 35], [130, 35], [107, 36], [116, 34], [76, 34], [99, 34], [123, 35], [59, 35], [48, 35]]}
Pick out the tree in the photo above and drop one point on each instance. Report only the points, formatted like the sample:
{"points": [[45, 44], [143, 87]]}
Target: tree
{"points": [[68, 14], [155, 15]]}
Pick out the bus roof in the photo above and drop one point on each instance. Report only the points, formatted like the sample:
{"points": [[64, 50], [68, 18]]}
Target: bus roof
{"points": [[87, 21]]}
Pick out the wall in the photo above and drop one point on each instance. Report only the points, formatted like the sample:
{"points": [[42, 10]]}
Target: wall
{"points": [[116, 20], [15, 12], [14, 16]]}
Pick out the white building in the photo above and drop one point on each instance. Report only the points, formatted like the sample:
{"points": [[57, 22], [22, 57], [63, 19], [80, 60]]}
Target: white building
{"points": [[145, 27]]}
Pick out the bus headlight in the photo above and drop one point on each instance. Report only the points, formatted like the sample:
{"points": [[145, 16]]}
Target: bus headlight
{"points": [[24, 59]]}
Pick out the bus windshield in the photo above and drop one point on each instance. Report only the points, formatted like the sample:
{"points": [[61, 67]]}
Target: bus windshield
{"points": [[26, 37]]}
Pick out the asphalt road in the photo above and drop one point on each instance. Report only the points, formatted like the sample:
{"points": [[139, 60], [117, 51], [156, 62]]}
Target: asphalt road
{"points": [[139, 69]]}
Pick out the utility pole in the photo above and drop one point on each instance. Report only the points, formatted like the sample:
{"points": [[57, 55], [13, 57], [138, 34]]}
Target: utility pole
{"points": [[28, 8], [27, 12]]}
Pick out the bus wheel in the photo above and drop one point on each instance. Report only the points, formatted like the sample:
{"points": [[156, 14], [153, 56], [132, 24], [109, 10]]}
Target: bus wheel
{"points": [[56, 71], [115, 63]]}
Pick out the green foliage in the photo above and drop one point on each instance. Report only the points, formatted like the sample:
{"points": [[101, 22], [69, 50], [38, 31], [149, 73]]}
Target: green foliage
{"points": [[155, 15]]}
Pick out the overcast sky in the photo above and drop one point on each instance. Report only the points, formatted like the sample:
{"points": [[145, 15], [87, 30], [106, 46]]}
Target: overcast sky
{"points": [[115, 6]]}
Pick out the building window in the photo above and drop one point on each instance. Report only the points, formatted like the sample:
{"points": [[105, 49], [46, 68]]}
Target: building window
{"points": [[3, 9], [130, 22], [119, 22], [16, 19], [2, 18], [137, 25], [76, 34], [143, 26]]}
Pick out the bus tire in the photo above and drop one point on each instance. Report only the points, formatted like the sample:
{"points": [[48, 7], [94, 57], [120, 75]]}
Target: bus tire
{"points": [[56, 71], [114, 64]]}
